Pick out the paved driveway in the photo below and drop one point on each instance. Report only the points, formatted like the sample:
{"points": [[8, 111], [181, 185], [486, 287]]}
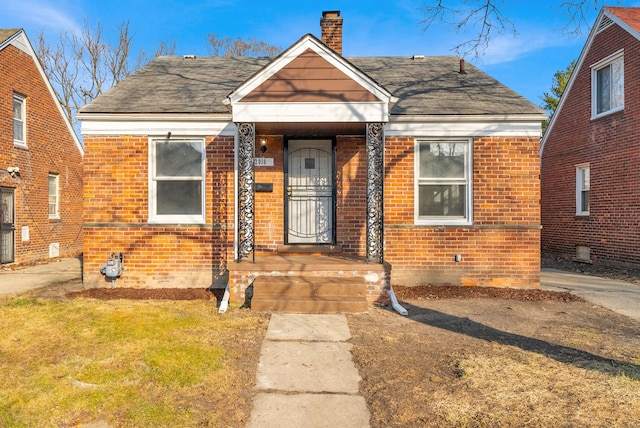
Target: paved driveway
{"points": [[621, 297]]}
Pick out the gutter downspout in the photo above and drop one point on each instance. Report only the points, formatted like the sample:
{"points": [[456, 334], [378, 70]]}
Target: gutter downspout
{"points": [[224, 304], [394, 303]]}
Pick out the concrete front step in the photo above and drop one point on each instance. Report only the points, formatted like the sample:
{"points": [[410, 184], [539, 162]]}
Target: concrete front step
{"points": [[305, 294]]}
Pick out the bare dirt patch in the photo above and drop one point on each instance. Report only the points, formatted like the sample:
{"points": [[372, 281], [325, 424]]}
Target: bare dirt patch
{"points": [[532, 359]]}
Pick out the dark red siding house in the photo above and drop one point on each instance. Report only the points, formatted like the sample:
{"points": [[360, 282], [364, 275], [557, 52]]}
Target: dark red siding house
{"points": [[590, 179], [40, 162], [312, 171]]}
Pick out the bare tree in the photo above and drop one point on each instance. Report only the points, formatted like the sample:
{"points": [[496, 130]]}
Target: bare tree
{"points": [[227, 46], [487, 18], [82, 66]]}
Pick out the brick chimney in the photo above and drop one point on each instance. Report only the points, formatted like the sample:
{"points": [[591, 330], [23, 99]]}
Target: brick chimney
{"points": [[331, 26]]}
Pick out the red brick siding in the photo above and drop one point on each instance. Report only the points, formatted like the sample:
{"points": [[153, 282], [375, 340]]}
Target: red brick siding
{"points": [[116, 214], [351, 194], [502, 247], [611, 144], [269, 212], [50, 149]]}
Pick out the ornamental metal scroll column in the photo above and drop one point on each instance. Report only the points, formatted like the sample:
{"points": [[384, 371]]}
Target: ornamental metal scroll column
{"points": [[375, 188], [246, 151]]}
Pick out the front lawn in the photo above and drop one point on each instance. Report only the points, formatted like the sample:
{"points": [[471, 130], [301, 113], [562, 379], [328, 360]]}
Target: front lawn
{"points": [[126, 363]]}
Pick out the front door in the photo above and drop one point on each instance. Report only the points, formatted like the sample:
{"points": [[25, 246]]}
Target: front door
{"points": [[309, 206], [7, 225]]}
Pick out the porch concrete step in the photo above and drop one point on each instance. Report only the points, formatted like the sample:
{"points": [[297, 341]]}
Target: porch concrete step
{"points": [[304, 294]]}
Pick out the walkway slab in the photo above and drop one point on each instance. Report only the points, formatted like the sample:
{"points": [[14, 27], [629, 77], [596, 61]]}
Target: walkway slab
{"points": [[317, 327], [307, 367], [306, 376], [309, 410]]}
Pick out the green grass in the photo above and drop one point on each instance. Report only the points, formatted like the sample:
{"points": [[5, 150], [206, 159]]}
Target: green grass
{"points": [[129, 363]]}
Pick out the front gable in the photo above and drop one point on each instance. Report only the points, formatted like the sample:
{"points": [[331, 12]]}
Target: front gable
{"points": [[627, 20], [310, 83]]}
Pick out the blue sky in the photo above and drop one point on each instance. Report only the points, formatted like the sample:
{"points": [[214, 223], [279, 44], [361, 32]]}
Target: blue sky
{"points": [[525, 62]]}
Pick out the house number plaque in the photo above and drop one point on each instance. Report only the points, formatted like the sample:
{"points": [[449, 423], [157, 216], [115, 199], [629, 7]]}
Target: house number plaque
{"points": [[263, 161]]}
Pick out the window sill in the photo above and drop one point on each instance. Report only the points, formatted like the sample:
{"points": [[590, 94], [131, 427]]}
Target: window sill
{"points": [[438, 223], [20, 145], [54, 218], [607, 113]]}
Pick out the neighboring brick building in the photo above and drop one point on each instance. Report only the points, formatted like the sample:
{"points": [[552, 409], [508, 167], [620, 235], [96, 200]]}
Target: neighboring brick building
{"points": [[40, 161], [196, 168], [590, 177]]}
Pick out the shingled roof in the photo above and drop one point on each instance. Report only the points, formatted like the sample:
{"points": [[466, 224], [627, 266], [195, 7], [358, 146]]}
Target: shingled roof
{"points": [[423, 86]]}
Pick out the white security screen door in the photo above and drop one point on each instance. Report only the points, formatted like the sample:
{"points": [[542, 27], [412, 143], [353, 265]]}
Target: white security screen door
{"points": [[309, 192]]}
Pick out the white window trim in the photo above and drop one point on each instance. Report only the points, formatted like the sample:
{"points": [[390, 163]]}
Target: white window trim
{"points": [[23, 104], [55, 215], [174, 219], [579, 168], [441, 220], [594, 84]]}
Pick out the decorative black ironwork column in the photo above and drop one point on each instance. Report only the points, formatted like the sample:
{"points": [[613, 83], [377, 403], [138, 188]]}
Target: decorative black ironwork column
{"points": [[375, 189], [246, 151]]}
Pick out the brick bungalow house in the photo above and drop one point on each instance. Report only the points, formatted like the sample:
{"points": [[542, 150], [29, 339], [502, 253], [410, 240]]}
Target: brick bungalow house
{"points": [[590, 178], [40, 161], [218, 171]]}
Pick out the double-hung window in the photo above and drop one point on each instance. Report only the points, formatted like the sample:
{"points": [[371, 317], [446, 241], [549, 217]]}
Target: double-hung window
{"points": [[443, 182], [19, 115], [53, 196], [177, 181], [607, 83], [583, 186]]}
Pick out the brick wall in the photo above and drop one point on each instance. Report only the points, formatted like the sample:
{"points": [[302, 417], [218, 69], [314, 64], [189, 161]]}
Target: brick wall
{"points": [[501, 248], [50, 149], [116, 215], [611, 144]]}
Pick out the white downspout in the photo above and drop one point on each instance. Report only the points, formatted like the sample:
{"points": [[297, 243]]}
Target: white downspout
{"points": [[224, 304], [394, 303]]}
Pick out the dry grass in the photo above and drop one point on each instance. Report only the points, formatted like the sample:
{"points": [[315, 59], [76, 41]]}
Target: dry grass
{"points": [[498, 363], [129, 363], [512, 387]]}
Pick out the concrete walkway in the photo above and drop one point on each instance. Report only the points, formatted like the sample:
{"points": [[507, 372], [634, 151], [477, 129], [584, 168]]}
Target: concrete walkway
{"points": [[621, 297], [306, 376], [21, 279]]}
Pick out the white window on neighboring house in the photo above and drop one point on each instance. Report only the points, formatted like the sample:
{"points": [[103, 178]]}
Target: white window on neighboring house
{"points": [[177, 181], [607, 83], [19, 115], [443, 194], [583, 185], [53, 196]]}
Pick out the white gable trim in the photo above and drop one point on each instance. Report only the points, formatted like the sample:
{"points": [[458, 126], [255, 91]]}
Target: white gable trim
{"points": [[21, 41], [308, 42], [144, 124], [310, 112], [603, 15], [465, 126]]}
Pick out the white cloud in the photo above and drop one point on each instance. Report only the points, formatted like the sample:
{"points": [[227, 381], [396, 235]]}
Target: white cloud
{"points": [[40, 14], [507, 48]]}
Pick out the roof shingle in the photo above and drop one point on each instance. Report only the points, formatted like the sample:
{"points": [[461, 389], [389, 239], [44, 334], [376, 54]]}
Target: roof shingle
{"points": [[423, 86]]}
